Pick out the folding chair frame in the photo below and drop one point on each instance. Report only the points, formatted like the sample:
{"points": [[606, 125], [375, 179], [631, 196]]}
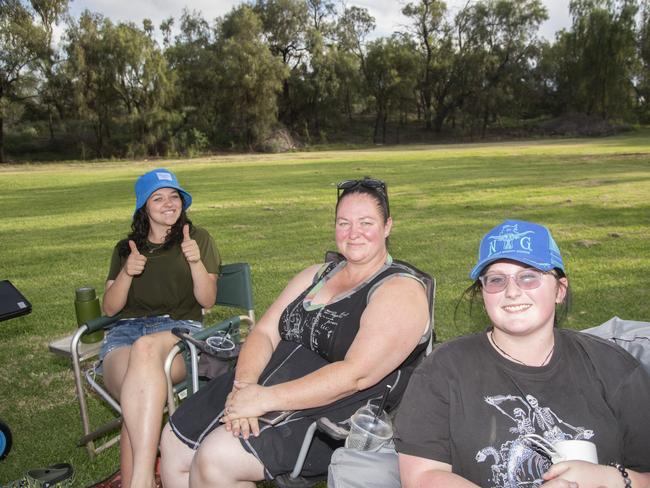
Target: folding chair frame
{"points": [[234, 290]]}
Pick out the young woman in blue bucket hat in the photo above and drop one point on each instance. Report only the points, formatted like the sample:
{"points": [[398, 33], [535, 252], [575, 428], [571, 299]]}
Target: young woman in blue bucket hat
{"points": [[489, 409], [161, 276]]}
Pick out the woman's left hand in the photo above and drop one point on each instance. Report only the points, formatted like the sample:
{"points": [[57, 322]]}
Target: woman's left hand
{"points": [[584, 474], [189, 247], [246, 400], [245, 426]]}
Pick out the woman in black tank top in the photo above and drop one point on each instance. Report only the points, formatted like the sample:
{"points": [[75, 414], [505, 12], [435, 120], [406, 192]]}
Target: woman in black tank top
{"points": [[336, 335]]}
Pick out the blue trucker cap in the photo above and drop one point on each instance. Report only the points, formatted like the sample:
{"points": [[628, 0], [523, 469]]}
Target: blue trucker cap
{"points": [[152, 181], [521, 241]]}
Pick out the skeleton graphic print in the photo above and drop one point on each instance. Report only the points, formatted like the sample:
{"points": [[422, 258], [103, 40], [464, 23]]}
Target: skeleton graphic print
{"points": [[517, 462]]}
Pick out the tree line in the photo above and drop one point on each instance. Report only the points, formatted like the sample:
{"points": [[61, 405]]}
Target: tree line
{"points": [[310, 68]]}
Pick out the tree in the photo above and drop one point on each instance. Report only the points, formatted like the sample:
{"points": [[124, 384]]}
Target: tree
{"points": [[250, 79], [643, 76], [142, 82], [284, 26], [353, 29], [596, 57], [500, 40], [120, 78], [22, 44], [49, 13], [392, 77], [426, 17], [319, 13], [192, 59]]}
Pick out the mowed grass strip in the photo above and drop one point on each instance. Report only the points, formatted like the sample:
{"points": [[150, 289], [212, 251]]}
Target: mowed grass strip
{"points": [[60, 221]]}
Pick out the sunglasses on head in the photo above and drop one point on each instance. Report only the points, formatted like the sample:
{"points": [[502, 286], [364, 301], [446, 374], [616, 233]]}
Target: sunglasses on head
{"points": [[371, 183]]}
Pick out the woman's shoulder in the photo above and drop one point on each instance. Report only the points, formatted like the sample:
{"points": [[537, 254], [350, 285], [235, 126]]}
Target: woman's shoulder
{"points": [[459, 349], [200, 232], [601, 351], [121, 246], [311, 273], [403, 267]]}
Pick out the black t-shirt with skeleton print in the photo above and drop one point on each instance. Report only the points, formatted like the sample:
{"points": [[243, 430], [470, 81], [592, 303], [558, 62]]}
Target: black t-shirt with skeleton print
{"points": [[468, 406]]}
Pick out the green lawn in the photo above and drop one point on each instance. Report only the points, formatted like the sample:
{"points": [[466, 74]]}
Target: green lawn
{"points": [[60, 221]]}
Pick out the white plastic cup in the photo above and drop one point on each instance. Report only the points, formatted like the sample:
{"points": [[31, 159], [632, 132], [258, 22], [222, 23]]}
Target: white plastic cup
{"points": [[367, 432], [575, 450]]}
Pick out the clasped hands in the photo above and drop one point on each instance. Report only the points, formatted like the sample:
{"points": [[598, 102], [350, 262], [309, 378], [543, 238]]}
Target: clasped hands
{"points": [[244, 405]]}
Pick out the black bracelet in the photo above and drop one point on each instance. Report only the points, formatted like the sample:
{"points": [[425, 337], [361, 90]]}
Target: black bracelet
{"points": [[624, 474]]}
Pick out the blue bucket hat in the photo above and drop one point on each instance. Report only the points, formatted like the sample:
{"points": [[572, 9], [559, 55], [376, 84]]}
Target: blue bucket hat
{"points": [[154, 180], [520, 241]]}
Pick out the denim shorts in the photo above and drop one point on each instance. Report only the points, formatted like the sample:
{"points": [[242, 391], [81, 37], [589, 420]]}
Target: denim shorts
{"points": [[126, 331]]}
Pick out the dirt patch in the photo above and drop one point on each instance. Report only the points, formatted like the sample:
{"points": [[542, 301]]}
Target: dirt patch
{"points": [[587, 243], [279, 141]]}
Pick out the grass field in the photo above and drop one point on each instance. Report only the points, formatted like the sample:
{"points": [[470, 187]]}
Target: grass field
{"points": [[60, 221]]}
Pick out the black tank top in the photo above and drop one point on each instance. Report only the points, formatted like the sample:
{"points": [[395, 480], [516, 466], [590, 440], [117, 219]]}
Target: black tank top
{"points": [[330, 329]]}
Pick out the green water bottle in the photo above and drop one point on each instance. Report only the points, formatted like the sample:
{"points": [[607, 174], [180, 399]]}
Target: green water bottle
{"points": [[86, 306]]}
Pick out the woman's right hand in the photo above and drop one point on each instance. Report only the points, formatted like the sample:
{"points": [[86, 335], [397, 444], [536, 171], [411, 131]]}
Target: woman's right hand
{"points": [[244, 425], [136, 262]]}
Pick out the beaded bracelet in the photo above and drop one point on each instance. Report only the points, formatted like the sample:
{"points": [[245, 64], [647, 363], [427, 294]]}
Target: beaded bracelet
{"points": [[624, 474]]}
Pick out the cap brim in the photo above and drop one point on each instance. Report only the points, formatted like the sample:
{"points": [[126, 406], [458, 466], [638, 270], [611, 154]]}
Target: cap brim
{"points": [[476, 271]]}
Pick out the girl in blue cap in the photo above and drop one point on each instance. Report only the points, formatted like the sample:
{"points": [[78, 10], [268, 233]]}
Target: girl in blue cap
{"points": [[161, 276], [477, 410]]}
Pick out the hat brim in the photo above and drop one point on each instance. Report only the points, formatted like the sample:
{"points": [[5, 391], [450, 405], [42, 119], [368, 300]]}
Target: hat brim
{"points": [[187, 198]]}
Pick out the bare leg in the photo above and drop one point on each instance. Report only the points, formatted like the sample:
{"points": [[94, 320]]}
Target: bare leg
{"points": [[222, 462], [115, 364], [143, 397], [175, 460]]}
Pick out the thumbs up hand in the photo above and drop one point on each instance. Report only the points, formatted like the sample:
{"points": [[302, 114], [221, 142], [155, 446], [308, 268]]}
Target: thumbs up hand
{"points": [[135, 262], [189, 247]]}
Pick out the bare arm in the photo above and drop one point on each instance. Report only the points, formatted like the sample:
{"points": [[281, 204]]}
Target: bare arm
{"points": [[259, 347], [588, 475], [204, 284], [390, 328], [418, 472], [117, 290]]}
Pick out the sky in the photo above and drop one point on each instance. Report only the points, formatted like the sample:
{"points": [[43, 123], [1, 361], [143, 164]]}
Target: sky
{"points": [[387, 13]]}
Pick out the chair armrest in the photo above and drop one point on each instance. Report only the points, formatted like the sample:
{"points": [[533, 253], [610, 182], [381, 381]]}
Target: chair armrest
{"points": [[191, 361], [100, 323], [202, 334]]}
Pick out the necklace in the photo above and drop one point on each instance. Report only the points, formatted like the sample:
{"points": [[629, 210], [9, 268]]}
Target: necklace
{"points": [[152, 248], [548, 356]]}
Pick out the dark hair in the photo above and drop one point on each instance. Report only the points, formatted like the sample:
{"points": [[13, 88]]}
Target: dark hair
{"points": [[140, 231], [377, 193], [472, 295]]}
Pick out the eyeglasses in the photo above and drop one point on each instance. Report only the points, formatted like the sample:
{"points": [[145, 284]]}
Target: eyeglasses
{"points": [[377, 185], [526, 279]]}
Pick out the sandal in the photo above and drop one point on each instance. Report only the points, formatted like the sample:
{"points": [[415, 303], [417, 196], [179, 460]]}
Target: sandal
{"points": [[57, 475]]}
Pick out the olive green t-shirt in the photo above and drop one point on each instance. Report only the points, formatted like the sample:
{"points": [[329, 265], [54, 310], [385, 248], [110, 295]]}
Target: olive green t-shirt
{"points": [[165, 286]]}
